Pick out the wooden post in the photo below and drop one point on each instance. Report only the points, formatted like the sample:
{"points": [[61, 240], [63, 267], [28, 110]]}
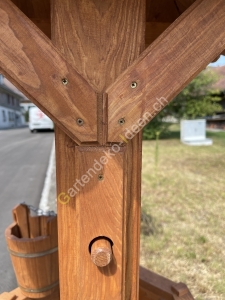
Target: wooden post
{"points": [[101, 39]]}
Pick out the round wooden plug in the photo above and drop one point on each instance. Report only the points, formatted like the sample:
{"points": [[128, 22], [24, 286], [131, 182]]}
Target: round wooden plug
{"points": [[101, 253]]}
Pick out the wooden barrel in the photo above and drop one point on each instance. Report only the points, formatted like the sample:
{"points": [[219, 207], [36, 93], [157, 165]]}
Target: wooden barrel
{"points": [[35, 259]]}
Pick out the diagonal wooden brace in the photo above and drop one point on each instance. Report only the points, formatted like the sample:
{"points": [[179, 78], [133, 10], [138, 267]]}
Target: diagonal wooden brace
{"points": [[165, 68], [31, 62]]}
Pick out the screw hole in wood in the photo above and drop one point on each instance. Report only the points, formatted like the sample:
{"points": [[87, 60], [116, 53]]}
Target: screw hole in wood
{"points": [[121, 121], [65, 81], [100, 177], [133, 84], [80, 122]]}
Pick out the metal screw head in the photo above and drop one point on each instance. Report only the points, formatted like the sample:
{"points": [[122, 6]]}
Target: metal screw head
{"points": [[100, 177], [80, 122], [121, 121], [65, 81], [133, 85]]}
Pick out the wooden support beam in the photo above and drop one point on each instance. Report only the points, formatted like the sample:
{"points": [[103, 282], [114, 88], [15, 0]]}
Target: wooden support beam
{"points": [[165, 68], [30, 61], [156, 287], [101, 38]]}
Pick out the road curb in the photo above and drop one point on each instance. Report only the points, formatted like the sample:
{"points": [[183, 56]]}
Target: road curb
{"points": [[44, 202]]}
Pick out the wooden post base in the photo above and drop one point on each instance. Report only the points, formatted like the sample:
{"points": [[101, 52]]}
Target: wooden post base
{"points": [[17, 295], [152, 287]]}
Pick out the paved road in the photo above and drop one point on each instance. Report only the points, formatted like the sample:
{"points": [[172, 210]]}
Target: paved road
{"points": [[23, 164]]}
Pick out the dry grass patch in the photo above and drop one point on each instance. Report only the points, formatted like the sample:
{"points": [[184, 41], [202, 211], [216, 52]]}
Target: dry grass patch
{"points": [[183, 214]]}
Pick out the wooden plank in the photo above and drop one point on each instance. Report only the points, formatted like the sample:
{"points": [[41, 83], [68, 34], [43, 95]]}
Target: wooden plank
{"points": [[20, 215], [98, 210], [106, 37], [99, 43], [30, 61], [34, 226], [156, 287], [166, 67], [100, 205], [155, 284]]}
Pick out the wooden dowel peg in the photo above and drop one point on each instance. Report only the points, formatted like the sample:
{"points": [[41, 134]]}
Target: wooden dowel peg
{"points": [[101, 252]]}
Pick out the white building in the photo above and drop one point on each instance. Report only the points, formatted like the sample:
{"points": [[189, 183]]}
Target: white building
{"points": [[193, 133], [10, 111]]}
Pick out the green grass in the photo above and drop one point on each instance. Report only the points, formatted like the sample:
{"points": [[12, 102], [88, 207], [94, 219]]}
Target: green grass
{"points": [[183, 213]]}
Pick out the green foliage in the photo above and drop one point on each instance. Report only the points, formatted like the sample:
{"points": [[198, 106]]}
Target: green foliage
{"points": [[156, 128], [199, 99]]}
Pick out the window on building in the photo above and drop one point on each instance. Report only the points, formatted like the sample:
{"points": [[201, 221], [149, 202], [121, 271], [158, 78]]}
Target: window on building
{"points": [[8, 98], [12, 101], [3, 116]]}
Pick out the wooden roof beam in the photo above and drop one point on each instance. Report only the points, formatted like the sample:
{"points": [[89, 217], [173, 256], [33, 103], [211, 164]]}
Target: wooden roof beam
{"points": [[165, 68], [31, 62]]}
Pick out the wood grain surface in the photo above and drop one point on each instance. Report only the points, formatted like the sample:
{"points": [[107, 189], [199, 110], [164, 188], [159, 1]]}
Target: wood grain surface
{"points": [[100, 205], [167, 66], [156, 287], [30, 61], [101, 38], [17, 295]]}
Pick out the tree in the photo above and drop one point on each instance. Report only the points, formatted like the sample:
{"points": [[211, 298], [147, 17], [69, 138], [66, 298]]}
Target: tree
{"points": [[199, 99]]}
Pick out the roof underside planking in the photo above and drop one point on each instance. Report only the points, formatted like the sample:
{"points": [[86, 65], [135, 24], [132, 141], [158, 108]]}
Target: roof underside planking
{"points": [[159, 15]]}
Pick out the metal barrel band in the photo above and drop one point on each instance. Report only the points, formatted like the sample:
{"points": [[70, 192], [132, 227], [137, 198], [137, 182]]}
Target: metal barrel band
{"points": [[42, 290], [32, 255]]}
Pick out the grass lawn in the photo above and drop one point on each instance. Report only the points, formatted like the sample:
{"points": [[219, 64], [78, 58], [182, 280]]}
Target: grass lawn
{"points": [[183, 213]]}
